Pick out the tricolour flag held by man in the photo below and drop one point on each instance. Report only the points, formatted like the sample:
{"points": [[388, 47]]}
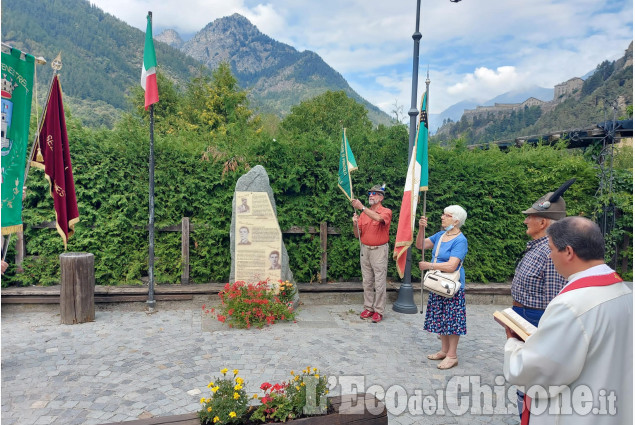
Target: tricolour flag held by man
{"points": [[17, 89], [149, 68], [52, 155], [416, 181], [347, 164]]}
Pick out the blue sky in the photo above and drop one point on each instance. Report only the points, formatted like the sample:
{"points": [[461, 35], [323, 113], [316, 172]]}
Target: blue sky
{"points": [[475, 49]]}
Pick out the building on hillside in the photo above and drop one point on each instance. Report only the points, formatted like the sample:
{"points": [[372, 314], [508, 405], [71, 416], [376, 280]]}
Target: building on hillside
{"points": [[532, 101], [568, 87]]}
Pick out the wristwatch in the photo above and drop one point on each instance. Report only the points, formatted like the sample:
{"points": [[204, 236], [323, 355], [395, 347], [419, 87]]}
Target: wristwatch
{"points": [[363, 208]]}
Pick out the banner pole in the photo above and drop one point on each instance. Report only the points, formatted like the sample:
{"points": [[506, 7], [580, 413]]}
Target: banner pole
{"points": [[151, 303], [56, 65], [423, 247]]}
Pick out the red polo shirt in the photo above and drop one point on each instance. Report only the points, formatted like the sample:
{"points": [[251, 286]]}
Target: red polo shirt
{"points": [[374, 233]]}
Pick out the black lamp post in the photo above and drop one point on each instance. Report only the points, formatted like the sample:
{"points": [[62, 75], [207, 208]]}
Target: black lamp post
{"points": [[405, 300]]}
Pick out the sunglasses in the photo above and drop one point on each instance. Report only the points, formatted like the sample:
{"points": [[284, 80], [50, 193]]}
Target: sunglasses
{"points": [[375, 193]]}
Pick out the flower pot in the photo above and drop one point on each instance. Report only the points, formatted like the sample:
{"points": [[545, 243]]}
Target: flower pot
{"points": [[360, 409]]}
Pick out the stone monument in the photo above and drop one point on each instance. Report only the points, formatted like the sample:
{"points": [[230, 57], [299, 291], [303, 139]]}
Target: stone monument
{"points": [[257, 250]]}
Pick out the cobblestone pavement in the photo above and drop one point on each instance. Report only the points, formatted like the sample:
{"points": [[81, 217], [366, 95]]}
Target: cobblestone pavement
{"points": [[128, 364]]}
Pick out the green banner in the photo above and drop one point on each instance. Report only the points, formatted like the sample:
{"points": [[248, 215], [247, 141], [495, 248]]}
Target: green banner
{"points": [[347, 164], [17, 85]]}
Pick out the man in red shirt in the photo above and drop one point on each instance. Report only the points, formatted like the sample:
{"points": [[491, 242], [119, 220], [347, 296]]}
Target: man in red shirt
{"points": [[372, 227]]}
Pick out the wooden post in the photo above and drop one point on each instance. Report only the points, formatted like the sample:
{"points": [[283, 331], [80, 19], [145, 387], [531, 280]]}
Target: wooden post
{"points": [[77, 292], [185, 251], [20, 251], [323, 236]]}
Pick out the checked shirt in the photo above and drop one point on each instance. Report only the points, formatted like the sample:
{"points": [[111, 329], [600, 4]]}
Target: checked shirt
{"points": [[536, 281]]}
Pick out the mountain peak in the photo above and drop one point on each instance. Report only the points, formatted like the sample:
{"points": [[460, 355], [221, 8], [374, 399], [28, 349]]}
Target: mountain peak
{"points": [[171, 38]]}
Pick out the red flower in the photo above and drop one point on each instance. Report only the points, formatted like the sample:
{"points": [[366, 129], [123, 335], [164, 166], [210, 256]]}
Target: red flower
{"points": [[265, 386]]}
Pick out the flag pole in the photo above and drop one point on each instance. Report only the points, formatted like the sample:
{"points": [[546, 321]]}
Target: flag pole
{"points": [[405, 300], [359, 233], [425, 193], [151, 303]]}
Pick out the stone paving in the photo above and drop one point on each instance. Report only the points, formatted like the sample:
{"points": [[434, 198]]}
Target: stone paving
{"points": [[128, 364]]}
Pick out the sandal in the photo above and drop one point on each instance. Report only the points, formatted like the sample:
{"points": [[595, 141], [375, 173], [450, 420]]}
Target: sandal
{"points": [[437, 356], [448, 363]]}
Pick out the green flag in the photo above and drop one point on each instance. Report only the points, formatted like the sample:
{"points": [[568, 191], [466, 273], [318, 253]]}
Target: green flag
{"points": [[17, 84], [347, 164]]}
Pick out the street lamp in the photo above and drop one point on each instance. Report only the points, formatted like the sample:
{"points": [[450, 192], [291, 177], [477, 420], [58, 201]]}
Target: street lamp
{"points": [[405, 300]]}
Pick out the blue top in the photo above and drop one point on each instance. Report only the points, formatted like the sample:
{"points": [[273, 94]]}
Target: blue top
{"points": [[457, 247]]}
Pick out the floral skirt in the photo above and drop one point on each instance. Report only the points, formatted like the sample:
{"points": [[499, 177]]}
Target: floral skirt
{"points": [[446, 316]]}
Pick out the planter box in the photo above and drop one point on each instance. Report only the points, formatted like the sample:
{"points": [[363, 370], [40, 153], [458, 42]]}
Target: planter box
{"points": [[348, 411]]}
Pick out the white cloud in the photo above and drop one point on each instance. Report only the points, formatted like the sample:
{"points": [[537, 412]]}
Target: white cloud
{"points": [[484, 83]]}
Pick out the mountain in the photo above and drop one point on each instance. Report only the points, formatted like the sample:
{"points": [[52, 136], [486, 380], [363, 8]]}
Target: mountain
{"points": [[102, 58], [605, 95], [277, 75], [519, 96], [171, 38], [101, 55], [455, 112]]}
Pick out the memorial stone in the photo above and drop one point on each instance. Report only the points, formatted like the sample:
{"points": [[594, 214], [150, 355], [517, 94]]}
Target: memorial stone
{"points": [[257, 250]]}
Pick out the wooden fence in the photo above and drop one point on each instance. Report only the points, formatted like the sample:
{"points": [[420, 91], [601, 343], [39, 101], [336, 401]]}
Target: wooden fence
{"points": [[324, 230]]}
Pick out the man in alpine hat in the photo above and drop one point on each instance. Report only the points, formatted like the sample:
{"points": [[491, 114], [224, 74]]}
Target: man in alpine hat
{"points": [[372, 227], [536, 281]]}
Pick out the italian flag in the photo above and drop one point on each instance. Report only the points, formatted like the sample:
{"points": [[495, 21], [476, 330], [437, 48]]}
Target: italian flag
{"points": [[416, 181], [149, 68]]}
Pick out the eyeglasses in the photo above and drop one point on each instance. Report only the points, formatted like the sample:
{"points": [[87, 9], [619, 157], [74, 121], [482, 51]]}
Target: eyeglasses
{"points": [[375, 193]]}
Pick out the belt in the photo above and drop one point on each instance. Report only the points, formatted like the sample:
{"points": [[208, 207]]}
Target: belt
{"points": [[517, 304], [371, 247]]}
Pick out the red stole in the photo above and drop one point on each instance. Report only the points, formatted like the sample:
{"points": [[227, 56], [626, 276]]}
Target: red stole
{"points": [[584, 282], [589, 281]]}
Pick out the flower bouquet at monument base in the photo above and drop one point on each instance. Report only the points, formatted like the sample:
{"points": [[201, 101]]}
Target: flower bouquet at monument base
{"points": [[255, 304], [301, 396]]}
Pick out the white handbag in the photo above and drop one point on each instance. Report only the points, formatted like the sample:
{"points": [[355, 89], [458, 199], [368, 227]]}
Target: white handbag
{"points": [[442, 283]]}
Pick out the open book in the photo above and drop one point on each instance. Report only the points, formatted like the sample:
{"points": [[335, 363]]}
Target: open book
{"points": [[515, 322]]}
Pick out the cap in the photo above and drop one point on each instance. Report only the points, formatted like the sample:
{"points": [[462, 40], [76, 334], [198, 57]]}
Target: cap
{"points": [[552, 204]]}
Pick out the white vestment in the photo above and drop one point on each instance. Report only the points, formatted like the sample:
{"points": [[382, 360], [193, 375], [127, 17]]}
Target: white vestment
{"points": [[581, 357]]}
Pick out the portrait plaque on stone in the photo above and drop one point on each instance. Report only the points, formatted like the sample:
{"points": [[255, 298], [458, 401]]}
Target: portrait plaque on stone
{"points": [[258, 239]]}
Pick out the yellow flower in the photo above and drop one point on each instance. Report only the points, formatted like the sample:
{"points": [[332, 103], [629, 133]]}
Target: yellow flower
{"points": [[223, 371], [216, 419], [326, 391], [297, 387], [314, 369], [210, 385], [209, 409], [215, 389], [297, 378], [208, 400], [302, 384], [202, 400], [236, 396], [292, 373], [238, 387], [235, 372], [232, 414], [255, 396], [317, 376], [240, 380]]}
